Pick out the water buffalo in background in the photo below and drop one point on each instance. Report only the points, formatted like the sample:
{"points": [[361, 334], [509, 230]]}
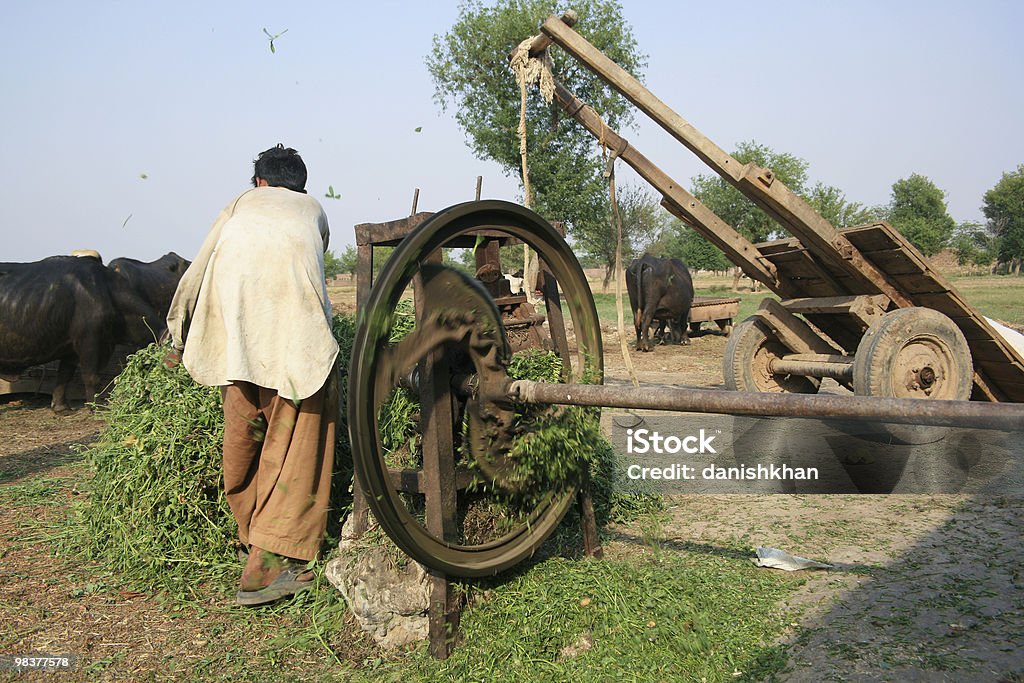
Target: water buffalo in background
{"points": [[154, 281], [659, 289], [76, 310]]}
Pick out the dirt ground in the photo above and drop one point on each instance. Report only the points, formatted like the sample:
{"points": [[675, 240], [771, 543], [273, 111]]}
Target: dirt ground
{"points": [[923, 587]]}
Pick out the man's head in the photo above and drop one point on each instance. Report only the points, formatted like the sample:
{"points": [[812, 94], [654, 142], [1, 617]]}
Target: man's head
{"points": [[280, 166]]}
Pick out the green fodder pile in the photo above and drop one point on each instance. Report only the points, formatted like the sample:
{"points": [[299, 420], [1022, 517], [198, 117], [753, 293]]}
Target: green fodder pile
{"points": [[157, 512], [157, 509]]}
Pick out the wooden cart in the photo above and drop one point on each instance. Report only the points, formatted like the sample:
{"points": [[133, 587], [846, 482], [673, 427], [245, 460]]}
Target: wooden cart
{"points": [[860, 305], [719, 310]]}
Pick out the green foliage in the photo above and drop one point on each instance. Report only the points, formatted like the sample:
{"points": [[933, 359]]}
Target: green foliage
{"points": [[332, 265], [687, 245], [831, 203], [157, 511], [272, 37], [729, 203], [1004, 209], [744, 216], [157, 514], [555, 445], [918, 210], [642, 220], [974, 245], [349, 260], [470, 69], [696, 615], [157, 508]]}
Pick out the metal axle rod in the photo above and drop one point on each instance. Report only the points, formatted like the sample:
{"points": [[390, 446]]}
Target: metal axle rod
{"points": [[971, 414], [785, 366]]}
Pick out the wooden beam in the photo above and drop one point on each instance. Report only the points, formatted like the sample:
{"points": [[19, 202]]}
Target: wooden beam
{"points": [[793, 332], [756, 183], [864, 308], [542, 42], [676, 200]]}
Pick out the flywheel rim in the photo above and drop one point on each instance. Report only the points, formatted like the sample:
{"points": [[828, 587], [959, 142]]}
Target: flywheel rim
{"points": [[373, 327]]}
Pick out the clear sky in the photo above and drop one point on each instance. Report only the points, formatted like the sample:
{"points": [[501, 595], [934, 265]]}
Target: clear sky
{"points": [[151, 113]]}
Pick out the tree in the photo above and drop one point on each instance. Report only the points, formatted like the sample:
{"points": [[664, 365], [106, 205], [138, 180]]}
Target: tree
{"points": [[830, 202], [469, 67], [682, 242], [332, 265], [1004, 208], [974, 244], [734, 208], [348, 261], [918, 210], [642, 220]]}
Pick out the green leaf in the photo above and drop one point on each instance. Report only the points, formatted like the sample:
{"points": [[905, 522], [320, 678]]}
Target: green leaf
{"points": [[419, 129]]}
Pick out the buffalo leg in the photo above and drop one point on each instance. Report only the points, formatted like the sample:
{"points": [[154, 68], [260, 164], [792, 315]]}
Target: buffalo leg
{"points": [[92, 358], [645, 331], [638, 316], [685, 327], [65, 370]]}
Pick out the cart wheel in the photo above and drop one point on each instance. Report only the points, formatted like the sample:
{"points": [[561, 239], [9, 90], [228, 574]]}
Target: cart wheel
{"points": [[748, 355], [913, 353]]}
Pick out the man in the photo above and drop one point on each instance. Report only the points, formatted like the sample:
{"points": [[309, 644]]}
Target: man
{"points": [[252, 316]]}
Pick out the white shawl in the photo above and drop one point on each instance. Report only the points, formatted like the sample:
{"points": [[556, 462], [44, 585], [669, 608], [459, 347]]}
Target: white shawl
{"points": [[253, 305]]}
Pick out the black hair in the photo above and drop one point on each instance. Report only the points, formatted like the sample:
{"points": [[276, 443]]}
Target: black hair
{"points": [[280, 166]]}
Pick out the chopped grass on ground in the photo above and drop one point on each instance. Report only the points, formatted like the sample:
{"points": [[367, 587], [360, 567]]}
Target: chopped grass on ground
{"points": [[660, 616]]}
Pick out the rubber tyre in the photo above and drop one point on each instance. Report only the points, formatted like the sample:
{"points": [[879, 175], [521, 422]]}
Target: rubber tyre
{"points": [[908, 340], [914, 353], [750, 348]]}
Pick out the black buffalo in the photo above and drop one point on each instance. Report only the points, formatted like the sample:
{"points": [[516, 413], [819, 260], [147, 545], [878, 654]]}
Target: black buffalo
{"points": [[659, 289], [75, 310], [154, 281]]}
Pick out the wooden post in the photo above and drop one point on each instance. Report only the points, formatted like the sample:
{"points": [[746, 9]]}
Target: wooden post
{"points": [[437, 426], [364, 282], [588, 520]]}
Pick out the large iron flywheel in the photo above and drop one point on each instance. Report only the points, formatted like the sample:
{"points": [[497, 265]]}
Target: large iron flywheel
{"points": [[459, 336]]}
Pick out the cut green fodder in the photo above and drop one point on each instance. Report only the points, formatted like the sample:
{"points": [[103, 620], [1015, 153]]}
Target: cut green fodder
{"points": [[657, 617], [156, 512]]}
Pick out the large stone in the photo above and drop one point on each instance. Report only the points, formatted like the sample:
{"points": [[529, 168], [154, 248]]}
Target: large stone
{"points": [[388, 597]]}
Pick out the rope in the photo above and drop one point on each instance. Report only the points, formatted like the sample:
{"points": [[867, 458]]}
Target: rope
{"points": [[609, 172], [530, 71]]}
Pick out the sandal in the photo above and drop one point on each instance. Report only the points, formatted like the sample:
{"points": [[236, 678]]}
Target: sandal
{"points": [[285, 585]]}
